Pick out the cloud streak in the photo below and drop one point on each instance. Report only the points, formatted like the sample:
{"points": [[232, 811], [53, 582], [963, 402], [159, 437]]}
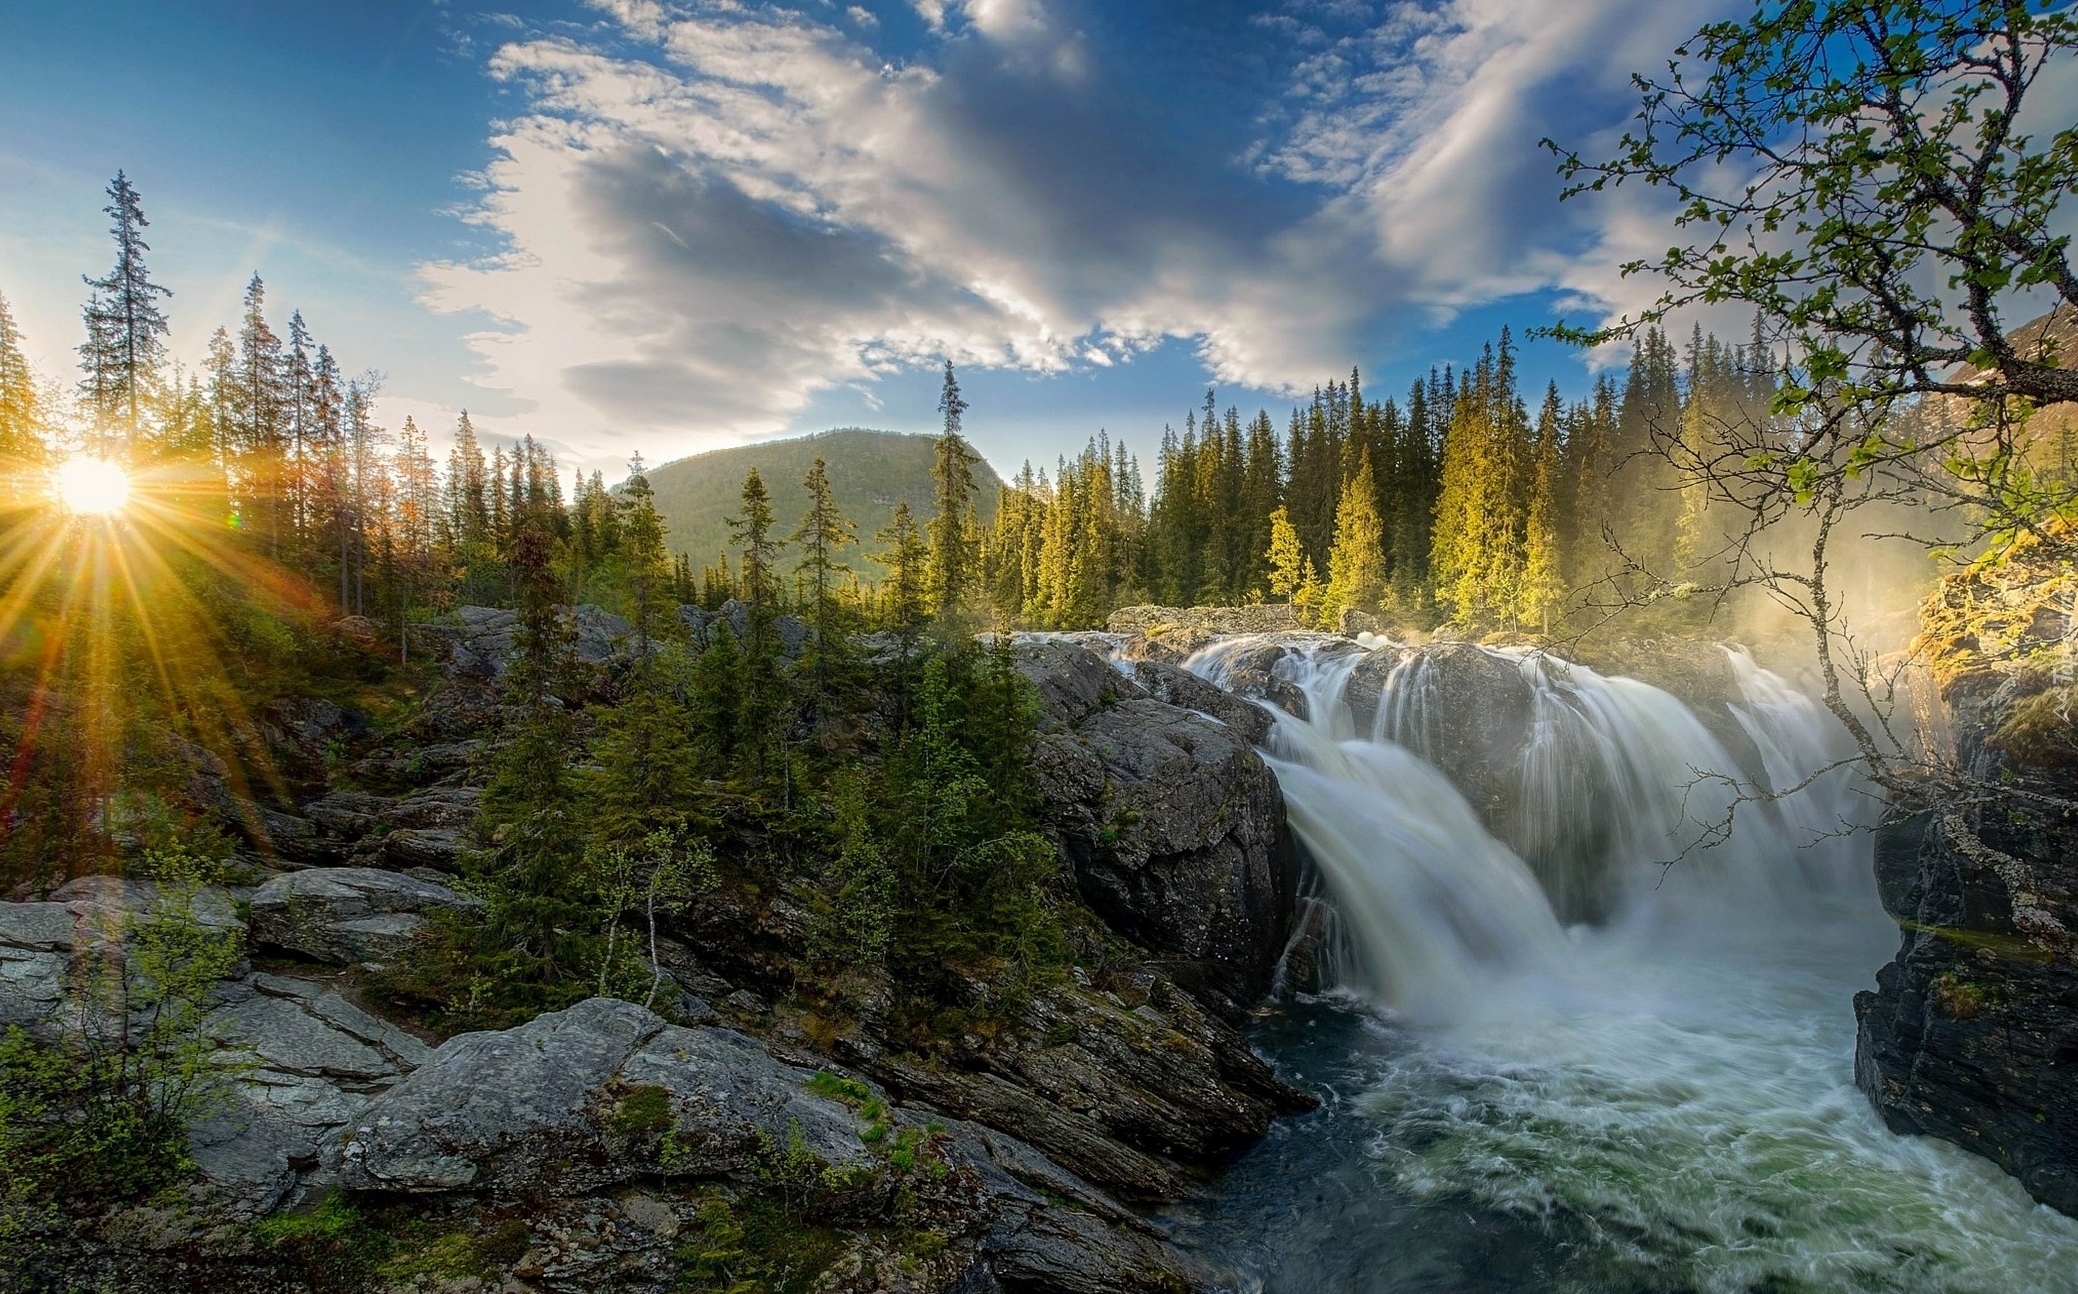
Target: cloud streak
{"points": [[710, 213]]}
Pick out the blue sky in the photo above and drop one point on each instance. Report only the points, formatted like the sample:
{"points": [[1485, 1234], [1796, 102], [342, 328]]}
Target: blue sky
{"points": [[634, 225]]}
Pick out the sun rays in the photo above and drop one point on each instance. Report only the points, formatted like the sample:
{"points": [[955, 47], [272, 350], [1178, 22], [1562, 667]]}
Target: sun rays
{"points": [[127, 596]]}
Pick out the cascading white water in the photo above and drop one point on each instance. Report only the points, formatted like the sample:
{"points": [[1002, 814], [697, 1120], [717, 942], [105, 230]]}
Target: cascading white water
{"points": [[1670, 1089], [1436, 906]]}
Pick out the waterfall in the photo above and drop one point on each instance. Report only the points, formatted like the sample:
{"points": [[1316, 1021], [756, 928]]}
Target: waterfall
{"points": [[1597, 1068], [1607, 800]]}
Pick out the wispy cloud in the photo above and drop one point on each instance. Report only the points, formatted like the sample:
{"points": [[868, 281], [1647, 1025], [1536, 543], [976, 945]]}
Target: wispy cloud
{"points": [[723, 209]]}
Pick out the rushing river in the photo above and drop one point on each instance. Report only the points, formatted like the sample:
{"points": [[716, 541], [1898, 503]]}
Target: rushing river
{"points": [[1662, 1101]]}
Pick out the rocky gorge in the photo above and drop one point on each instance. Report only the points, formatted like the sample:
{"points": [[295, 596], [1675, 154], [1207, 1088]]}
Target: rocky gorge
{"points": [[608, 1145], [591, 1142]]}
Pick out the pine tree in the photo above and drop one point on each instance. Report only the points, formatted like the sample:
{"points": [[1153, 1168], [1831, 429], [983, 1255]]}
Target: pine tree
{"points": [[952, 523], [823, 533], [1356, 563], [126, 331], [1286, 557], [21, 412], [1543, 578]]}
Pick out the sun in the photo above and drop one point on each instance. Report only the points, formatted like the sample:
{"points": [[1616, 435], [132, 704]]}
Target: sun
{"points": [[92, 485]]}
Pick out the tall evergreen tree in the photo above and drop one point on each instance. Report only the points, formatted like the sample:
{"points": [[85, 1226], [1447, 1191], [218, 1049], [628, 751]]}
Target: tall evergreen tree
{"points": [[126, 330], [823, 533], [21, 412], [1285, 557], [1356, 562], [647, 764], [952, 529], [764, 700], [1543, 577], [260, 405], [904, 597]]}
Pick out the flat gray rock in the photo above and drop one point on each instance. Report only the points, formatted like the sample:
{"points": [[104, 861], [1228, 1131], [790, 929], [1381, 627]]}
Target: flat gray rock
{"points": [[344, 915], [307, 1061], [537, 1110], [35, 954]]}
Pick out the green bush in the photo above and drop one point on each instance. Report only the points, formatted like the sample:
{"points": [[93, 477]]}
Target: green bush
{"points": [[100, 1114]]}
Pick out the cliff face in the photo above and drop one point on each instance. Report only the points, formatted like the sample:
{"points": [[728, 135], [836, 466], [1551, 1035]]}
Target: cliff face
{"points": [[1972, 1032]]}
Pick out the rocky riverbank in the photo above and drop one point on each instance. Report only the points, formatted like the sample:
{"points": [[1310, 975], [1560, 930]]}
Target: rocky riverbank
{"points": [[613, 1147], [1972, 1032]]}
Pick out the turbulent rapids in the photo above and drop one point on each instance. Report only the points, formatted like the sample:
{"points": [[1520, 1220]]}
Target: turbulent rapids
{"points": [[1584, 1012]]}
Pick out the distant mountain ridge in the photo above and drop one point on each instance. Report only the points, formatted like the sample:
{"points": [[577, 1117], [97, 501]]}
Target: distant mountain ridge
{"points": [[869, 471]]}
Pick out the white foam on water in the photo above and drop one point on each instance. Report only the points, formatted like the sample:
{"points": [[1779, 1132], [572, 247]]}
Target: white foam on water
{"points": [[1679, 1079]]}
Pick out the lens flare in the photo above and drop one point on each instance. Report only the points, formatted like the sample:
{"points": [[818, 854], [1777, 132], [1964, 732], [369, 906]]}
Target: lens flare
{"points": [[92, 485]]}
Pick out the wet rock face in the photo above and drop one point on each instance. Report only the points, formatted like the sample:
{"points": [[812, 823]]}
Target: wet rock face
{"points": [[1174, 827], [1972, 1032], [1124, 1088], [1464, 710], [1256, 669]]}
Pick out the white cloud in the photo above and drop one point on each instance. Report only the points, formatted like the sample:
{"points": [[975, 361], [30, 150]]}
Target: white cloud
{"points": [[699, 241]]}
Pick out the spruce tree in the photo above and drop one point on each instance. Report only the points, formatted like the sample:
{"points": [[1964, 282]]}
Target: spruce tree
{"points": [[21, 414], [1262, 490], [1285, 557], [952, 522], [823, 533], [530, 806], [1543, 577], [260, 405], [126, 330], [645, 752], [764, 690], [1356, 563]]}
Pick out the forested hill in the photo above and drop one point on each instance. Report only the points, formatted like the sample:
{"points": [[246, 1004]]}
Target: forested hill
{"points": [[869, 471]]}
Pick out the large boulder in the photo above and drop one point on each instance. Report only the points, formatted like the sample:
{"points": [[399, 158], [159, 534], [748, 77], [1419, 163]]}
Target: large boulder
{"points": [[561, 1105], [584, 1100], [41, 944], [789, 632], [1464, 709], [306, 1060], [478, 643], [284, 1063], [428, 828], [346, 915], [35, 956], [1172, 823]]}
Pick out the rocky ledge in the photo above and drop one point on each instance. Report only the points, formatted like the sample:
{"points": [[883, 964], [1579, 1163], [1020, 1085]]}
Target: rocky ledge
{"points": [[603, 1142], [1972, 1032]]}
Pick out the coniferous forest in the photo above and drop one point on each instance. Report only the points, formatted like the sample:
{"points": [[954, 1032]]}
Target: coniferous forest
{"points": [[422, 873], [1462, 500]]}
